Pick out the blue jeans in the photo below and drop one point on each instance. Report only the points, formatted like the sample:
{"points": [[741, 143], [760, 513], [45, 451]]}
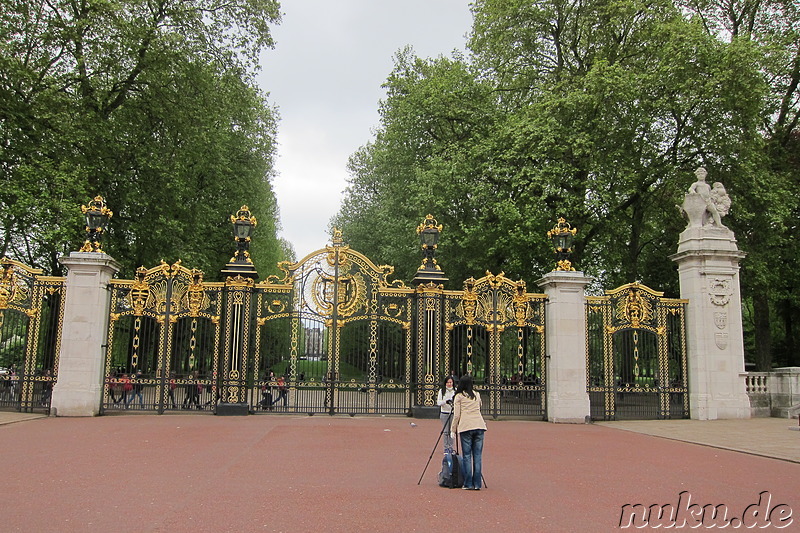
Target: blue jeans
{"points": [[134, 394], [472, 449]]}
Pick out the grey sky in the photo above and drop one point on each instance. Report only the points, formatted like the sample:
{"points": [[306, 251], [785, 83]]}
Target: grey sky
{"points": [[325, 76]]}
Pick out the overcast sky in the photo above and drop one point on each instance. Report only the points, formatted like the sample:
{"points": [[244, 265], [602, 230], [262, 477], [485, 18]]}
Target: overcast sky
{"points": [[325, 75]]}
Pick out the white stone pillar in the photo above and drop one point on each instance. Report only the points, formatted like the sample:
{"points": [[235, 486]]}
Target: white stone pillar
{"points": [[708, 268], [565, 332], [79, 388]]}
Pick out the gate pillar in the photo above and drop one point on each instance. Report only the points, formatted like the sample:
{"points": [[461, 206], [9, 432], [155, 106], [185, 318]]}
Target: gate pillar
{"points": [[708, 268], [79, 388], [565, 338], [428, 349], [235, 376]]}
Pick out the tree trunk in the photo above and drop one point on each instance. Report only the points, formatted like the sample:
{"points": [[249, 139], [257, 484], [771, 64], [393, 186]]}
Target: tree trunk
{"points": [[789, 311], [763, 333]]}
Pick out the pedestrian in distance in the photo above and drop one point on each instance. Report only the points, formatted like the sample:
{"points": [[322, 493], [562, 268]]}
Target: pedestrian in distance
{"points": [[173, 384], [469, 425], [136, 390], [283, 392]]}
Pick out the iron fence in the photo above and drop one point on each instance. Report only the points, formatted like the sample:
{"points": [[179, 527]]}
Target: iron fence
{"points": [[636, 355], [31, 315]]}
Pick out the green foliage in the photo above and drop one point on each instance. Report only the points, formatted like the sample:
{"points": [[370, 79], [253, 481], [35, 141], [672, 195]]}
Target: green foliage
{"points": [[150, 104], [768, 205], [597, 111]]}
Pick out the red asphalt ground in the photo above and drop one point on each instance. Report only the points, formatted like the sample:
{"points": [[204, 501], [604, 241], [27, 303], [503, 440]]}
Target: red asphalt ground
{"points": [[199, 473]]}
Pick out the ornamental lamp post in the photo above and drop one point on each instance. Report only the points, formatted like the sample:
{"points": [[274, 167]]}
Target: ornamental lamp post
{"points": [[243, 225], [96, 216], [429, 271], [239, 275], [562, 236]]}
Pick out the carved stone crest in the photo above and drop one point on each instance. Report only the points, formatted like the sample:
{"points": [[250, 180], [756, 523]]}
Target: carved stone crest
{"points": [[720, 319], [719, 291], [721, 340]]}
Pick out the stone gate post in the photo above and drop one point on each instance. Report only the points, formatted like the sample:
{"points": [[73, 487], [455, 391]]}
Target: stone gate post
{"points": [[79, 389], [708, 268], [565, 331]]}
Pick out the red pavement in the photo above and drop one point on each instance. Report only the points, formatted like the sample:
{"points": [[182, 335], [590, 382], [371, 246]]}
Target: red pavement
{"points": [[279, 473]]}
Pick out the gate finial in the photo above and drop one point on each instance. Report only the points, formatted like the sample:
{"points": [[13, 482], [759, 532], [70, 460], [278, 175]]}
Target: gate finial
{"points": [[562, 236], [97, 215], [240, 264], [429, 271]]}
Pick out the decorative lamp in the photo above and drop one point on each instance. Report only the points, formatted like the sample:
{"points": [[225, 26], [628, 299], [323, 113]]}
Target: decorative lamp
{"points": [[243, 225], [429, 231], [562, 236], [97, 215]]}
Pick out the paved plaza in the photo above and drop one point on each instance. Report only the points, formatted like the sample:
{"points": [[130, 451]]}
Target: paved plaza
{"points": [[199, 473]]}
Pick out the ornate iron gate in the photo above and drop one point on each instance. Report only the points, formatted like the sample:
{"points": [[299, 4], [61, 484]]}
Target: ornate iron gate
{"points": [[31, 315], [333, 336], [495, 331], [163, 341], [636, 355]]}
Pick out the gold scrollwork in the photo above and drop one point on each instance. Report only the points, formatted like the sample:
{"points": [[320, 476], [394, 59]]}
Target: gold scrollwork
{"points": [[634, 308], [393, 310], [350, 295], [8, 287], [276, 306], [565, 264], [239, 281], [470, 301], [520, 304], [139, 295]]}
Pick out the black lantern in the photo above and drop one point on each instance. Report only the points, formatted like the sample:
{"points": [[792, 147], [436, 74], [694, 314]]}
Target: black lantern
{"points": [[429, 231], [243, 225], [97, 215], [562, 236]]}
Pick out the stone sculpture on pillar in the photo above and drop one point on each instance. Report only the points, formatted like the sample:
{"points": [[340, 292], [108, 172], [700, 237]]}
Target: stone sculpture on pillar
{"points": [[708, 267], [705, 205]]}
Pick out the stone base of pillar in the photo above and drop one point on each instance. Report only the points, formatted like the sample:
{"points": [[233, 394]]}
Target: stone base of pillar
{"points": [[75, 399], [421, 411], [233, 409], [568, 410], [701, 407]]}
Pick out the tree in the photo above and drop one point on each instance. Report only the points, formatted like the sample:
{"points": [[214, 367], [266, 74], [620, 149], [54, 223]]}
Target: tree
{"points": [[767, 221], [596, 111], [149, 103]]}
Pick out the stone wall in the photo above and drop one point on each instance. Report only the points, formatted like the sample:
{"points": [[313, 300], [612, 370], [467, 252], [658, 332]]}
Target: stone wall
{"points": [[774, 394]]}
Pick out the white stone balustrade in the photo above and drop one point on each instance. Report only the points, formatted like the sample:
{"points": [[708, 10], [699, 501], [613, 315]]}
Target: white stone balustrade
{"points": [[756, 382], [775, 393]]}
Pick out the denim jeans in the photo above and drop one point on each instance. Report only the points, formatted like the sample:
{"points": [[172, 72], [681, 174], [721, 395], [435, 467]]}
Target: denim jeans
{"points": [[132, 397], [445, 419], [472, 449]]}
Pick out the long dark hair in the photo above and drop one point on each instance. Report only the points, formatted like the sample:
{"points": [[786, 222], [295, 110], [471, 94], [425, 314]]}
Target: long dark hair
{"points": [[444, 383], [465, 386]]}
